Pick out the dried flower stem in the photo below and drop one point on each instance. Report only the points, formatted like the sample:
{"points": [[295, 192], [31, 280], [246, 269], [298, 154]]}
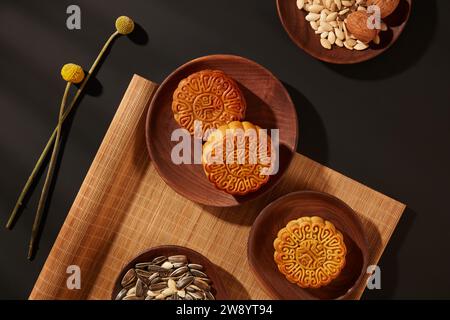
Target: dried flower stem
{"points": [[49, 177], [46, 150]]}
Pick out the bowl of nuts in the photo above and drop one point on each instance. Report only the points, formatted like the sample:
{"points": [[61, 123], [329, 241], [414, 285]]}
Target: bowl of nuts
{"points": [[344, 31], [169, 273]]}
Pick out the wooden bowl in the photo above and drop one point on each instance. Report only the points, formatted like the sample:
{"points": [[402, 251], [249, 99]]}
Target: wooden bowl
{"points": [[268, 106], [218, 290], [303, 35], [293, 206]]}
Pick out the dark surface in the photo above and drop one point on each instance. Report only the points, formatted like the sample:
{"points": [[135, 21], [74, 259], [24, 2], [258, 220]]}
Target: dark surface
{"points": [[385, 123]]}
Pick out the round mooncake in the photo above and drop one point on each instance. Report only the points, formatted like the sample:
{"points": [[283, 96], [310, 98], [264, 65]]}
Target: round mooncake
{"points": [[310, 252], [237, 157], [209, 96]]}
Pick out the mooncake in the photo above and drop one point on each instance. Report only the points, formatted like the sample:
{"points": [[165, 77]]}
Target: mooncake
{"points": [[237, 157], [209, 96], [310, 252]]}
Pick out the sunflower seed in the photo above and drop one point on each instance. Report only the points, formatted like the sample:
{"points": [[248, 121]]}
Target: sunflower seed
{"points": [[198, 273], [207, 280], [156, 280], [331, 37], [121, 294], [339, 34], [155, 268], [158, 286], [129, 278], [193, 288], [195, 266], [178, 258], [315, 8], [331, 17], [360, 46], [132, 298], [325, 43], [151, 293], [312, 17], [181, 293], [176, 265], [201, 284], [168, 292], [142, 265], [179, 271], [172, 284], [153, 276], [196, 295], [131, 292], [140, 288], [184, 282], [143, 274], [167, 265], [159, 260]]}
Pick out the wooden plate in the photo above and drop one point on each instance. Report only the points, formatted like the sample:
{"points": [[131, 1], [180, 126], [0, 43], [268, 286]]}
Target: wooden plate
{"points": [[268, 105], [293, 206], [218, 290], [303, 35]]}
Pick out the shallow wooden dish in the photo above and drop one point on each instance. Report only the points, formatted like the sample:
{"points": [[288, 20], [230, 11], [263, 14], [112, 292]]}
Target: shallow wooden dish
{"points": [[303, 35], [293, 206], [218, 290], [268, 106]]}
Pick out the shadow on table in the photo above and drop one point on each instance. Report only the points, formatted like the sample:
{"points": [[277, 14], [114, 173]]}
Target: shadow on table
{"points": [[230, 281], [389, 260], [312, 137]]}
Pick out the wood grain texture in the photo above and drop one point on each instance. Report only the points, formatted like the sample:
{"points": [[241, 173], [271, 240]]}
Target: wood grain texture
{"points": [[124, 207], [301, 33], [268, 106]]}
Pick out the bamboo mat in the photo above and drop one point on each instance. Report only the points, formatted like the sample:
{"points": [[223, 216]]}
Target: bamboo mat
{"points": [[124, 207]]}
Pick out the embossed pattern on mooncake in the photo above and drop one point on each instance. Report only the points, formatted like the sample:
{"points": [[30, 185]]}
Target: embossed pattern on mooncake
{"points": [[233, 176], [209, 96], [310, 252]]}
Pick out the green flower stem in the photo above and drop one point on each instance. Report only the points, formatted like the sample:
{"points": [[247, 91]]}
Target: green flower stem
{"points": [[49, 177], [47, 148]]}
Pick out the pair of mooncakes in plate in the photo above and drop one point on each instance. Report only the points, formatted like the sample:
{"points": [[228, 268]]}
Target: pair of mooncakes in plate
{"points": [[237, 154], [309, 251]]}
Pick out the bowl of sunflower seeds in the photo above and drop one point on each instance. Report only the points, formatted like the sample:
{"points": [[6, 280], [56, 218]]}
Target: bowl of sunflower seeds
{"points": [[169, 273]]}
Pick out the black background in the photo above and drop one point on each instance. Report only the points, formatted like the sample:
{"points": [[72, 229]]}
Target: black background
{"points": [[385, 123]]}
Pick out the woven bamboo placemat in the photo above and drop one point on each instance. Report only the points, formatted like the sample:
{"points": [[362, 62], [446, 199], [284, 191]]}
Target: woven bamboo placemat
{"points": [[124, 207]]}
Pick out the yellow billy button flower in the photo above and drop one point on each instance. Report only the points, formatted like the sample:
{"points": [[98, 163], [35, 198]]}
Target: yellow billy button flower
{"points": [[124, 25], [72, 73]]}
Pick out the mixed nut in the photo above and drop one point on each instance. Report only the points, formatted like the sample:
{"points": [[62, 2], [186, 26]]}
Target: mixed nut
{"points": [[166, 278], [345, 23]]}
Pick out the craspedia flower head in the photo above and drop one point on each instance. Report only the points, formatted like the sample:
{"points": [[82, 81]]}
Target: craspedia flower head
{"points": [[72, 73], [124, 25]]}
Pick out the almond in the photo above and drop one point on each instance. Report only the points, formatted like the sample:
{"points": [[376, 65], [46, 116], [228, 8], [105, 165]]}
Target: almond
{"points": [[357, 25], [386, 6]]}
